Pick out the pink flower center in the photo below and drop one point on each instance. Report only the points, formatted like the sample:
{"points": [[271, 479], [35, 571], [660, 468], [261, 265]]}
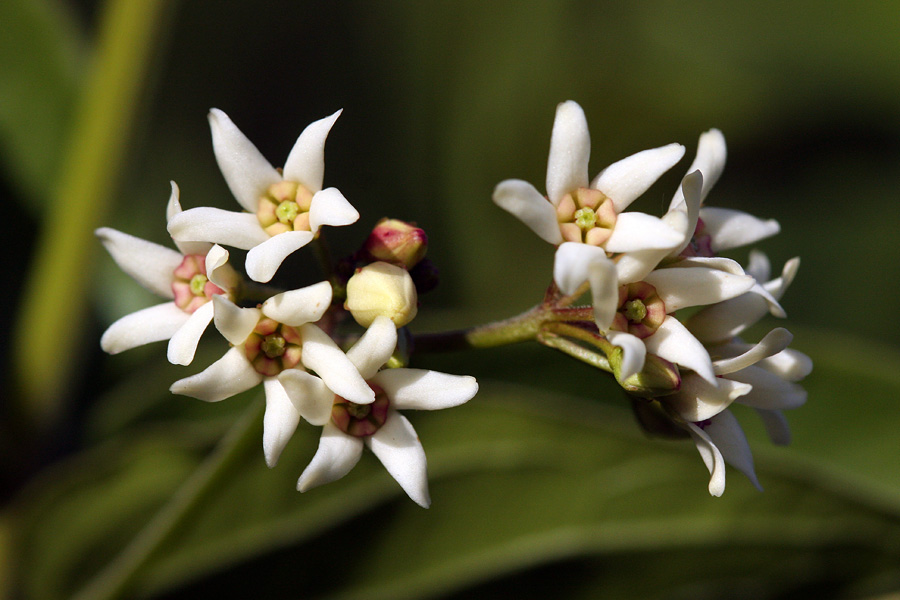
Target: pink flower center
{"points": [[361, 420], [284, 207], [700, 244], [273, 347], [190, 285], [641, 310], [587, 216]]}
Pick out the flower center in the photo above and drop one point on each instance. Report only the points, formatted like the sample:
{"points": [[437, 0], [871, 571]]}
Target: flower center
{"points": [[284, 207], [190, 285], [361, 420], [700, 244], [641, 310], [273, 347], [586, 216]]}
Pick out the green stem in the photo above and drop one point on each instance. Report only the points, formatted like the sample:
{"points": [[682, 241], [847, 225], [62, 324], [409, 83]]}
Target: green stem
{"points": [[119, 575], [55, 295]]}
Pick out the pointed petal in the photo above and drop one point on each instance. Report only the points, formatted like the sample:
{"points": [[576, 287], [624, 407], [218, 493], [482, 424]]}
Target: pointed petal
{"points": [[322, 355], [296, 307], [576, 263], [523, 201], [151, 265], [338, 453], [280, 421], [230, 375], [758, 266], [711, 457], [721, 322], [310, 395], [710, 159], [774, 342], [726, 433], [729, 228], [639, 231], [676, 344], [776, 426], [151, 324], [398, 448], [329, 207], [246, 171], [684, 211], [777, 287], [219, 271], [770, 391], [374, 348], [173, 208], [634, 352], [184, 342], [263, 260], [696, 286], [624, 181], [233, 322], [419, 389], [206, 224], [698, 400], [570, 149], [306, 162], [789, 364]]}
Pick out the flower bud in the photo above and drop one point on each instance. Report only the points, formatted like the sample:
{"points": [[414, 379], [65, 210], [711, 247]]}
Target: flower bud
{"points": [[397, 242], [659, 377], [381, 289]]}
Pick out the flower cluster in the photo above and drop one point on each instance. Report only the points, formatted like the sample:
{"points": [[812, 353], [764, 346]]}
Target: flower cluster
{"points": [[290, 341], [330, 353], [641, 270]]}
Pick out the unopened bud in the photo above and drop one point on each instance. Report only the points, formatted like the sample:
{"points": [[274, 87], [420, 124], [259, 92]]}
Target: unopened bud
{"points": [[659, 377], [381, 289], [397, 242]]}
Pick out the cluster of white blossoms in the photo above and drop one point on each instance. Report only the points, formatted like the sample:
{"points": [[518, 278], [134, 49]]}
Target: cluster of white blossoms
{"points": [[289, 341], [330, 353], [641, 270]]}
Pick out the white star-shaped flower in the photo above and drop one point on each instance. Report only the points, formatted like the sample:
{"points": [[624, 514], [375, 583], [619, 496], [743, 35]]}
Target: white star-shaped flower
{"points": [[284, 209], [189, 278], [271, 343], [348, 427]]}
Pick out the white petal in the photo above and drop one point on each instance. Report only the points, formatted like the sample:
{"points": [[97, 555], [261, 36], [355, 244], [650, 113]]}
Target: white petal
{"points": [[729, 228], [151, 324], [233, 322], [206, 224], [184, 342], [575, 263], [684, 211], [710, 262], [398, 448], [374, 348], [639, 231], [173, 208], [721, 322], [570, 149], [774, 342], [776, 426], [246, 171], [306, 162], [151, 265], [770, 391], [624, 181], [280, 421], [698, 400], [338, 453], [219, 271], [789, 364], [419, 389], [710, 159], [777, 287], [310, 395], [676, 344], [524, 202], [230, 375], [296, 307], [322, 355], [634, 352], [263, 260], [726, 433], [758, 266], [711, 457], [696, 286], [329, 207]]}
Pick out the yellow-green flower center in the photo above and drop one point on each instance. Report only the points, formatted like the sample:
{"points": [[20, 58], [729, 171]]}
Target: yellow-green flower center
{"points": [[284, 207], [587, 216]]}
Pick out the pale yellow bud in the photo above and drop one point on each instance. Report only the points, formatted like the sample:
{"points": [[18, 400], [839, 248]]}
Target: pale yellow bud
{"points": [[381, 289]]}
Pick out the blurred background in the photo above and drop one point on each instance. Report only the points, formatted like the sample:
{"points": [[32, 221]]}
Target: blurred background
{"points": [[543, 484]]}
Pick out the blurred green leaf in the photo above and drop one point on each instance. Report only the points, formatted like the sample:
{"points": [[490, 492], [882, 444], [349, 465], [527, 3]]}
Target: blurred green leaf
{"points": [[43, 54]]}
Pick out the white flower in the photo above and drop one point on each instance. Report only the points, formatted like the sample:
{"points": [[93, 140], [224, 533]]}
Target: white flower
{"points": [[586, 220], [347, 427], [269, 342], [189, 277], [285, 211]]}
